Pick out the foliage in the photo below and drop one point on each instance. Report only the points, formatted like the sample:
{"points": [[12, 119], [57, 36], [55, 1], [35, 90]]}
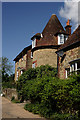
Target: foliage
{"points": [[6, 73], [6, 66], [27, 78], [49, 94], [68, 116], [9, 83], [14, 100]]}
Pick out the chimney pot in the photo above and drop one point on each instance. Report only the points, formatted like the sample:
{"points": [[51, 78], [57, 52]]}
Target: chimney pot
{"points": [[68, 27], [68, 22]]}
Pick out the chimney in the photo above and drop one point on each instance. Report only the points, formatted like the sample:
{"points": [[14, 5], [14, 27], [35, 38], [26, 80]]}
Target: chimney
{"points": [[68, 27]]}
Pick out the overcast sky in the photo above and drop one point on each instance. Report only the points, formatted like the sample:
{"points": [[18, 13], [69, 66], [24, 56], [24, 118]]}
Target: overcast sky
{"points": [[21, 20]]}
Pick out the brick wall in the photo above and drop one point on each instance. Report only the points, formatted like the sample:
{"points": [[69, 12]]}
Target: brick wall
{"points": [[64, 62], [45, 56]]}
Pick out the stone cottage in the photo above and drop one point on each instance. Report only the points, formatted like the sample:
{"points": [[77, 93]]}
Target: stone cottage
{"points": [[45, 45], [53, 39], [69, 55], [23, 61]]}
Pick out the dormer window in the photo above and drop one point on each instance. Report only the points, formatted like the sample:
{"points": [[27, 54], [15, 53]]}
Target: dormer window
{"points": [[34, 43], [60, 39]]}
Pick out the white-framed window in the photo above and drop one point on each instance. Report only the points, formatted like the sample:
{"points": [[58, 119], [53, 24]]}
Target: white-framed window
{"points": [[33, 65], [67, 72], [60, 39], [34, 43], [75, 67], [17, 75], [31, 54], [21, 72]]}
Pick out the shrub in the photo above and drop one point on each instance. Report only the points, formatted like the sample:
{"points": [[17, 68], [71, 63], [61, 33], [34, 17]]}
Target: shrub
{"points": [[13, 98], [48, 94], [68, 116]]}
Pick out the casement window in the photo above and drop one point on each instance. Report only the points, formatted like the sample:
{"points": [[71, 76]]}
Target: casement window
{"points": [[31, 54], [33, 65], [67, 72], [17, 75], [21, 72], [33, 43], [60, 39], [75, 66]]}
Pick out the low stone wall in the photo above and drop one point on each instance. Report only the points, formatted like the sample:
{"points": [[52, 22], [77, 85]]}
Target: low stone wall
{"points": [[9, 93]]}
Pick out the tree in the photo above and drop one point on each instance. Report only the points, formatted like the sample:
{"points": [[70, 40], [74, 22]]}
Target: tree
{"points": [[6, 66], [6, 69]]}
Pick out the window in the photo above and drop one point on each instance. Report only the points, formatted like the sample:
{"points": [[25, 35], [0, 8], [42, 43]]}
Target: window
{"points": [[67, 72], [60, 39], [33, 43], [31, 54], [21, 72], [33, 65], [17, 75], [75, 67]]}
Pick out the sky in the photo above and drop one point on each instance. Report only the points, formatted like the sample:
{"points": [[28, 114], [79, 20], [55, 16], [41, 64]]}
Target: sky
{"points": [[21, 20]]}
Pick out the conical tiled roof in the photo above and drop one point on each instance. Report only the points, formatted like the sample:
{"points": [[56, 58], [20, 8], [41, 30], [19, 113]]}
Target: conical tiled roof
{"points": [[53, 26]]}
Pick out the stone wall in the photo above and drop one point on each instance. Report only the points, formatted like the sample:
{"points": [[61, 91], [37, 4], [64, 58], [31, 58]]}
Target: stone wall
{"points": [[24, 63], [9, 93], [69, 55], [45, 56], [29, 60]]}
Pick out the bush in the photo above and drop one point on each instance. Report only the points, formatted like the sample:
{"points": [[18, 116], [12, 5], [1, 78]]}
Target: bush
{"points": [[68, 116], [48, 94], [13, 98]]}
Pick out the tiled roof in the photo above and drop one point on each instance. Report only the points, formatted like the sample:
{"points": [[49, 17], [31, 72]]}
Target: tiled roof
{"points": [[38, 35], [53, 26], [74, 38], [24, 51]]}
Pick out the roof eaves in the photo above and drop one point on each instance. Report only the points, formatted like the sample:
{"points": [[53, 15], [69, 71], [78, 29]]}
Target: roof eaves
{"points": [[19, 55]]}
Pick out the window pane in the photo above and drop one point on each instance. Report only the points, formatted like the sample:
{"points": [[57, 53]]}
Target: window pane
{"points": [[61, 38]]}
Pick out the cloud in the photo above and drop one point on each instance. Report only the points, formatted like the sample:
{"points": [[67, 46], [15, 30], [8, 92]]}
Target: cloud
{"points": [[70, 11]]}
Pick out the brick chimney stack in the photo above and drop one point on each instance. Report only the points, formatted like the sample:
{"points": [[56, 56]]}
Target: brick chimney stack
{"points": [[68, 27]]}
